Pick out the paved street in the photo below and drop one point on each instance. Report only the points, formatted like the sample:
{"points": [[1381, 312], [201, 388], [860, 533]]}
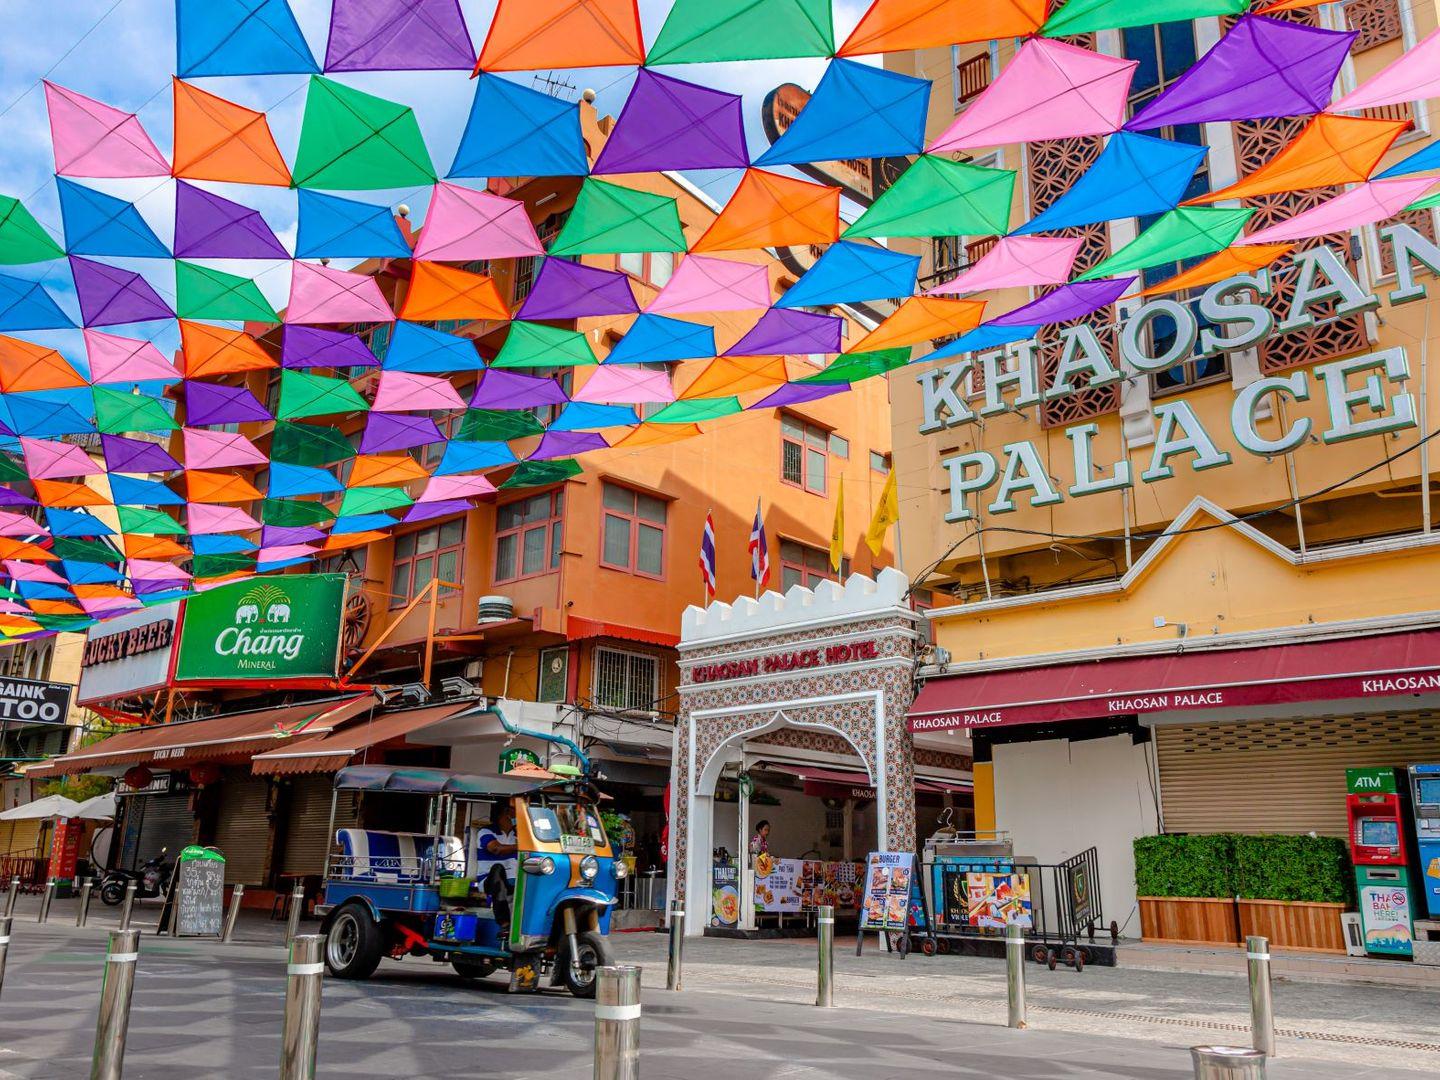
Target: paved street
{"points": [[202, 1009]]}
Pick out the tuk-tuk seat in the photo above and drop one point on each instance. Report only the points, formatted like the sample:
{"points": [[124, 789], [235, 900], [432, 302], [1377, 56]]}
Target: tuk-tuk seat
{"points": [[395, 858]]}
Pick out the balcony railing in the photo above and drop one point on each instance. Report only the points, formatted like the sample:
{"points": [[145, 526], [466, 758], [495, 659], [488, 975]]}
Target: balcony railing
{"points": [[974, 78]]}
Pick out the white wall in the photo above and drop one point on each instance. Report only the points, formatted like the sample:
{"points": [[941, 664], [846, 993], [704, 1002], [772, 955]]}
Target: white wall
{"points": [[1056, 798]]}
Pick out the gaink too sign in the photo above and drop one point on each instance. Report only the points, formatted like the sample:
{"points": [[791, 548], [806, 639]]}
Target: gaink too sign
{"points": [[1363, 395], [278, 627]]}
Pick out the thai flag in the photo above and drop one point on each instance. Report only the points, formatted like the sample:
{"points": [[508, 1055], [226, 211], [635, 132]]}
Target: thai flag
{"points": [[759, 550], [707, 555]]}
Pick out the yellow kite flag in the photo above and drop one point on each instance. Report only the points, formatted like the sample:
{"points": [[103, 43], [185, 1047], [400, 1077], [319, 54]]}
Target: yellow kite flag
{"points": [[887, 513], [837, 534]]}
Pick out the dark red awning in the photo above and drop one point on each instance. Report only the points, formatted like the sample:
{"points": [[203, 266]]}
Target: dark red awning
{"points": [[1381, 665]]}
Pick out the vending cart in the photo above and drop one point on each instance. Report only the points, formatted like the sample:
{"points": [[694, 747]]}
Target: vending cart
{"points": [[1375, 806]]}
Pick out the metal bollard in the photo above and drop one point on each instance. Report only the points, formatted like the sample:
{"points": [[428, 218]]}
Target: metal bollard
{"points": [[825, 938], [301, 1037], [44, 915], [14, 895], [1262, 1005], [130, 889], [4, 946], [82, 916], [297, 905], [1227, 1063], [1015, 974], [236, 894], [617, 1023], [677, 946], [115, 993]]}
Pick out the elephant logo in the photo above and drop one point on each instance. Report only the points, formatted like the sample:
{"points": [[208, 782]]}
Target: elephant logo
{"points": [[263, 604], [278, 612], [247, 613]]}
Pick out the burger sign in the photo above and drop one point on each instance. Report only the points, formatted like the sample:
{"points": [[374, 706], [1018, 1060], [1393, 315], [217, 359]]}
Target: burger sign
{"points": [[281, 627]]}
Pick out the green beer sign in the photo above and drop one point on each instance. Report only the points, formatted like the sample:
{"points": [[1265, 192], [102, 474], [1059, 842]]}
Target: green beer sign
{"points": [[277, 628]]}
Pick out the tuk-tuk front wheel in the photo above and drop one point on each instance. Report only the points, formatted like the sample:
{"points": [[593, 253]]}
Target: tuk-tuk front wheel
{"points": [[594, 952], [354, 944]]}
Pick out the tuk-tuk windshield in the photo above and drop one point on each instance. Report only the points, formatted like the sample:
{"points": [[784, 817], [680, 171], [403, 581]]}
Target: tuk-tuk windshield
{"points": [[557, 821]]}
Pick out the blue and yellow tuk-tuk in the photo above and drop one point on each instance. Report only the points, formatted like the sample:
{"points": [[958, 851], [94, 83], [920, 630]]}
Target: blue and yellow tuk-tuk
{"points": [[402, 894]]}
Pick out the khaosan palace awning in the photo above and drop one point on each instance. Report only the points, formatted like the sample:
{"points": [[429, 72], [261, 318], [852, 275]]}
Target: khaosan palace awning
{"points": [[1382, 665], [844, 784]]}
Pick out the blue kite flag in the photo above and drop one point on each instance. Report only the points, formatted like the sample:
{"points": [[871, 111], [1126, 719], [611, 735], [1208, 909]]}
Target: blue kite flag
{"points": [[91, 573], [46, 414], [75, 523], [857, 111], [25, 305], [1133, 176], [335, 228], [584, 416], [288, 481], [850, 271], [43, 590], [463, 457], [988, 336], [420, 349], [100, 224], [514, 130], [356, 523], [281, 564], [1426, 158], [133, 491], [220, 543], [239, 37], [655, 338]]}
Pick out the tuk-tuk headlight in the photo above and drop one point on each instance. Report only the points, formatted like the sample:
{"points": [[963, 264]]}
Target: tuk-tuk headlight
{"points": [[538, 864], [589, 867], [619, 869]]}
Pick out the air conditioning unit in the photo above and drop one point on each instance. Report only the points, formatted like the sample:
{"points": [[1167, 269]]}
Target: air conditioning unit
{"points": [[493, 609]]}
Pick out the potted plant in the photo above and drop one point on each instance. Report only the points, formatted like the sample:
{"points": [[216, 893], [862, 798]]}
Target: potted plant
{"points": [[1183, 885], [1293, 890]]}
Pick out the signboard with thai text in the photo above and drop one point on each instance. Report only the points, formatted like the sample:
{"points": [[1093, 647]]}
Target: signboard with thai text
{"points": [[285, 627], [129, 654]]}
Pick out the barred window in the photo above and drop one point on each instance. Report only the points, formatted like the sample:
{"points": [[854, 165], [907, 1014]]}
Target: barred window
{"points": [[626, 680]]}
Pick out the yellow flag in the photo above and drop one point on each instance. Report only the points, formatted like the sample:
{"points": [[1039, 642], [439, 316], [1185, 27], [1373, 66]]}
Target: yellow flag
{"points": [[837, 534], [887, 513]]}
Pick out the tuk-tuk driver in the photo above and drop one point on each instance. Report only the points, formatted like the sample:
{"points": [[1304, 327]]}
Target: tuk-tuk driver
{"points": [[495, 861]]}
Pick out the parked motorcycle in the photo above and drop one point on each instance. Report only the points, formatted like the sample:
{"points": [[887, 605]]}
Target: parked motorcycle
{"points": [[153, 878]]}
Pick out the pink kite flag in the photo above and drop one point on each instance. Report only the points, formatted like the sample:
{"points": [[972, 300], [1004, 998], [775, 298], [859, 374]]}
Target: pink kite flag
{"points": [[1414, 76], [29, 571], [463, 224], [209, 518], [102, 607], [1015, 262], [620, 385], [319, 294], [219, 450], [94, 139], [404, 391], [45, 460], [1364, 204], [440, 488], [153, 570], [282, 552], [707, 283], [120, 359], [1051, 90], [12, 524]]}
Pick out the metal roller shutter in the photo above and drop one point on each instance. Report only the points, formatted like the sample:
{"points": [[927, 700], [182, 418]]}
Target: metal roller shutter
{"points": [[242, 831], [168, 823], [306, 838], [1280, 776]]}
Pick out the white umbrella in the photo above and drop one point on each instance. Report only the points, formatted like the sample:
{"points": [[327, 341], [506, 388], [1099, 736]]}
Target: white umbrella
{"points": [[49, 807], [98, 808]]}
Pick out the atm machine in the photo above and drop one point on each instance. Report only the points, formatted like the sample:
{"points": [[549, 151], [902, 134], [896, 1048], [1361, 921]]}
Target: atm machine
{"points": [[1375, 807], [1425, 806]]}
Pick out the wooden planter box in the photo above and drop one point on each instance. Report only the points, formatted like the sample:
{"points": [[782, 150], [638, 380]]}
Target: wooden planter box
{"points": [[1294, 924], [1190, 920]]}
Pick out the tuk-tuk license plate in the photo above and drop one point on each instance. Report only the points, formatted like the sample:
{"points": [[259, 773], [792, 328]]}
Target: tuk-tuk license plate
{"points": [[577, 845]]}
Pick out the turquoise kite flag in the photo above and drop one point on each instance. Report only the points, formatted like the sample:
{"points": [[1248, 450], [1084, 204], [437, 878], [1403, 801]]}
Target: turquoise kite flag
{"points": [[420, 349], [336, 228], [514, 130], [851, 271], [25, 305], [463, 457], [583, 416], [1134, 175], [1421, 160], [289, 481], [857, 111], [133, 491], [356, 523], [100, 224], [220, 544], [239, 37], [987, 336], [656, 338]]}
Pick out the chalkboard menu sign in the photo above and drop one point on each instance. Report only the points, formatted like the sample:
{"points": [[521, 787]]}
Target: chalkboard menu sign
{"points": [[197, 897]]}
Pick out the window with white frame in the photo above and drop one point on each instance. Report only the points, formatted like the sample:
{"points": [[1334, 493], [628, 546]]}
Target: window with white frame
{"points": [[626, 680]]}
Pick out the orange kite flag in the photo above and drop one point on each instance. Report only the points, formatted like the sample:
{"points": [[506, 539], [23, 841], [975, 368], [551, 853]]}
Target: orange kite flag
{"points": [[55, 607], [349, 540], [213, 350], [219, 487], [1287, 5], [921, 318], [18, 549], [898, 25], [26, 366], [64, 493], [658, 435], [1221, 265], [735, 375], [1329, 150], [528, 35], [216, 139], [770, 210], [153, 547], [447, 292], [371, 470]]}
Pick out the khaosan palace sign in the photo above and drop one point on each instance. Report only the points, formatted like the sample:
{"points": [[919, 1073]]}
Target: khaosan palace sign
{"points": [[1363, 394]]}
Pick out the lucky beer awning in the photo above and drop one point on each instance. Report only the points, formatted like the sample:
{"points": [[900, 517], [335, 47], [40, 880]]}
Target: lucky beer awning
{"points": [[332, 750]]}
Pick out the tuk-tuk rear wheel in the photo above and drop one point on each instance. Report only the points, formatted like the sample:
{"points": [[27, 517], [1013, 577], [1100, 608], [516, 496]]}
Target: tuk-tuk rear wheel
{"points": [[594, 954], [353, 944]]}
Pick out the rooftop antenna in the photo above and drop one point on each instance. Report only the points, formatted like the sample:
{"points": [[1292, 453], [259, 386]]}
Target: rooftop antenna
{"points": [[556, 86]]}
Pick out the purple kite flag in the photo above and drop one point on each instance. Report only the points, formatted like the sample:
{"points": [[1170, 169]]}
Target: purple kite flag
{"points": [[313, 346], [424, 511], [284, 535], [799, 393], [1067, 302], [572, 290], [500, 389], [398, 35], [209, 227], [110, 296], [1262, 68], [670, 124], [783, 330], [10, 497], [134, 456], [211, 403], [397, 431], [558, 444]]}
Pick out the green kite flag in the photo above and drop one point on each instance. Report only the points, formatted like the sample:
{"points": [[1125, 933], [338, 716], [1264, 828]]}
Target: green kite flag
{"points": [[1186, 233], [293, 512], [494, 425], [22, 238], [533, 345], [608, 219], [303, 394], [203, 293], [74, 549], [308, 444], [701, 31], [138, 519], [694, 410], [857, 367], [117, 412], [10, 469], [372, 500], [939, 197], [353, 141], [204, 566], [539, 473], [1085, 16]]}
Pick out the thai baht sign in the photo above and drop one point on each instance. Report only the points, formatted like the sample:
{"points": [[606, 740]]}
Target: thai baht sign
{"points": [[281, 627], [1364, 396]]}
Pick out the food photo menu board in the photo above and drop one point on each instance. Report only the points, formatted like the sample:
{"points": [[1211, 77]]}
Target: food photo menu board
{"points": [[889, 878]]}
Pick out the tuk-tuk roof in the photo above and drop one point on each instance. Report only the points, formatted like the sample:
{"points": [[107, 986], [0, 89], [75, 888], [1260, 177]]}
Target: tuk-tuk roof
{"points": [[411, 780]]}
